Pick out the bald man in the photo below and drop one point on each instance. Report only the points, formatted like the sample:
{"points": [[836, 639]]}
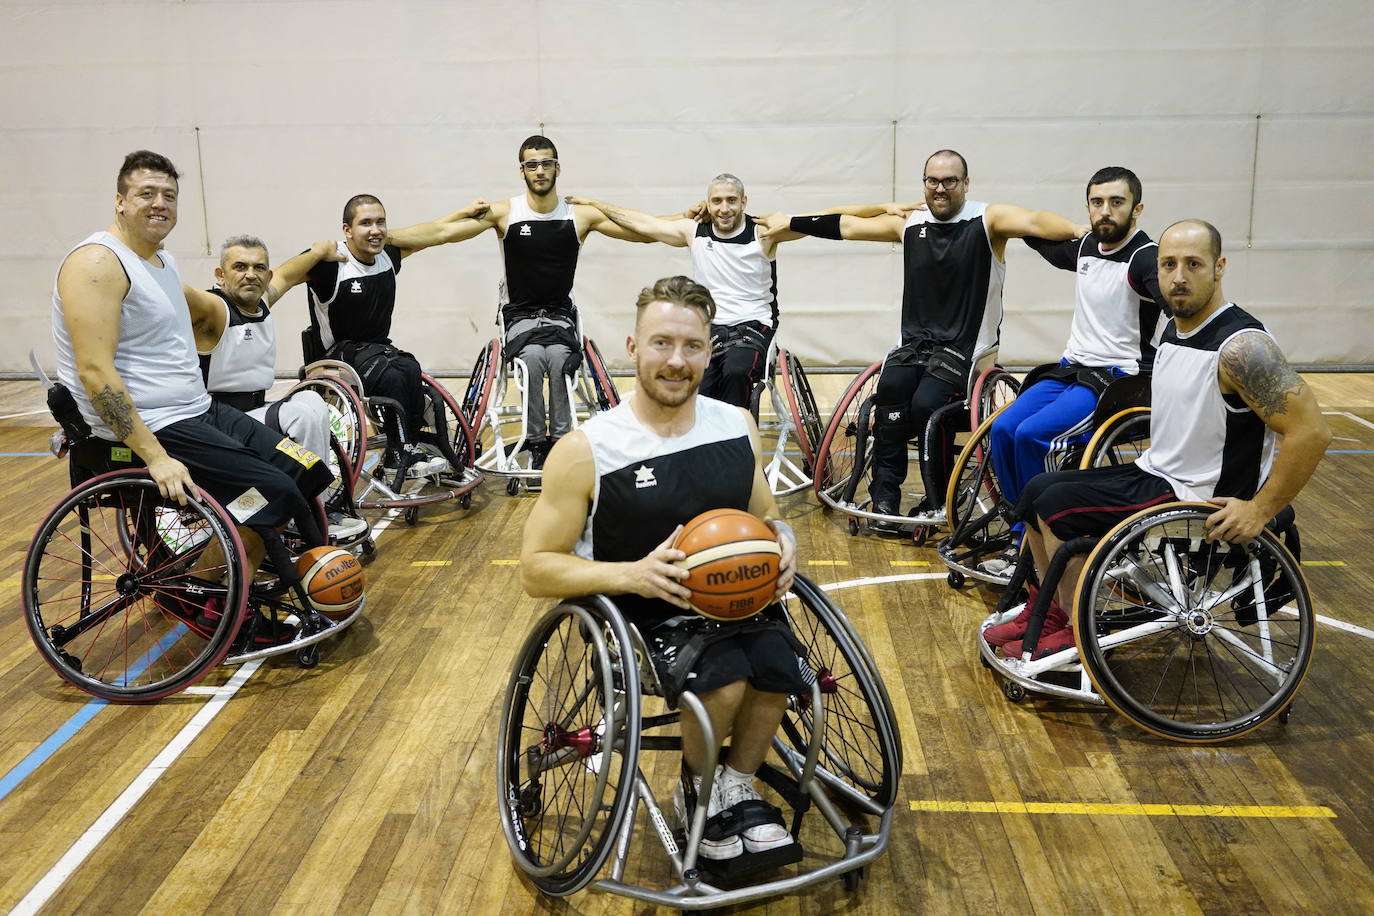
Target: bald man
{"points": [[1222, 394]]}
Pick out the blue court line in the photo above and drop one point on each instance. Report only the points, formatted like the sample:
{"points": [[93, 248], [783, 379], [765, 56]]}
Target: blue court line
{"points": [[11, 780], [24, 454]]}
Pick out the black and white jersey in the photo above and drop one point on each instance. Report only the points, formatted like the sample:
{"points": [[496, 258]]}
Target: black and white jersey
{"points": [[245, 358], [952, 288], [743, 280], [647, 485], [539, 259], [350, 300], [1203, 442], [1116, 299]]}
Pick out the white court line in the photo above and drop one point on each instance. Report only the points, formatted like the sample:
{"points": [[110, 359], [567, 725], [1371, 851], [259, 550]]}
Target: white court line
{"points": [[50, 883], [1350, 416], [27, 413]]}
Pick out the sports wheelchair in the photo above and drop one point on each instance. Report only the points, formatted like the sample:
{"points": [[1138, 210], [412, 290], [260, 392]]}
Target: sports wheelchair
{"points": [[844, 460], [795, 420], [500, 423], [118, 582], [444, 433], [570, 778], [979, 517]]}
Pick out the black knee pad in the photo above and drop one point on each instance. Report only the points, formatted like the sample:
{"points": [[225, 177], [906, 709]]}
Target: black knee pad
{"points": [[893, 422]]}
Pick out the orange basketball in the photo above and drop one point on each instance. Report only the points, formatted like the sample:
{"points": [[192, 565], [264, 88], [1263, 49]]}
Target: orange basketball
{"points": [[333, 580], [733, 562]]}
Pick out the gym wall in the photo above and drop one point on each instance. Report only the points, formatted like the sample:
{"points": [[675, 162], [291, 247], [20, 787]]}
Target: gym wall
{"points": [[1257, 116]]}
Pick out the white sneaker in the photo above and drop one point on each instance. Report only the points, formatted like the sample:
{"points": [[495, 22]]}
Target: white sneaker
{"points": [[929, 517], [424, 464], [715, 850], [762, 836], [1000, 565], [345, 527]]}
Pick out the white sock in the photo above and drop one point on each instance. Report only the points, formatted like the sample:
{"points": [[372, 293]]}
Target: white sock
{"points": [[730, 774]]}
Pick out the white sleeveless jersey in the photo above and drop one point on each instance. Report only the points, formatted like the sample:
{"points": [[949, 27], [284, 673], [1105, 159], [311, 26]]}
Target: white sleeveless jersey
{"points": [[1203, 442], [245, 358], [156, 351], [743, 281]]}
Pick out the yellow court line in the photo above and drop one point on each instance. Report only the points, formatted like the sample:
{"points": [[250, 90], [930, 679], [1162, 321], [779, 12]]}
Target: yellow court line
{"points": [[505, 562], [909, 562], [827, 562], [431, 562], [1323, 562], [1010, 807]]}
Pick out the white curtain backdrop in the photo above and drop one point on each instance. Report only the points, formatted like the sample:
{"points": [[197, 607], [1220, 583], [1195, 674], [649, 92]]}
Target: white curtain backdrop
{"points": [[1258, 116]]}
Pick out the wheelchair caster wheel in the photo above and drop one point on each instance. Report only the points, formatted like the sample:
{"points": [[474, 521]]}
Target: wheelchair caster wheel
{"points": [[920, 535], [412, 515], [983, 661], [465, 501], [513, 486], [308, 657], [955, 579], [1013, 691], [853, 526], [369, 547], [1286, 714], [852, 879]]}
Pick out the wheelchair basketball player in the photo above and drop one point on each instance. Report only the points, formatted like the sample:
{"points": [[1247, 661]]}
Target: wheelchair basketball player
{"points": [[616, 492]]}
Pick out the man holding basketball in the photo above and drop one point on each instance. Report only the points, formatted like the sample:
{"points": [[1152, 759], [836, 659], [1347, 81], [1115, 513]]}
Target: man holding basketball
{"points": [[616, 492]]}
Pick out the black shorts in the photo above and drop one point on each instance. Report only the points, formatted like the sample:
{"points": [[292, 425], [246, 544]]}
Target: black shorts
{"points": [[1091, 502], [261, 478], [700, 655]]}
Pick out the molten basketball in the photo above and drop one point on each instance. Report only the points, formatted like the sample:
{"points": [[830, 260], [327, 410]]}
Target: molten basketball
{"points": [[333, 580], [732, 561]]}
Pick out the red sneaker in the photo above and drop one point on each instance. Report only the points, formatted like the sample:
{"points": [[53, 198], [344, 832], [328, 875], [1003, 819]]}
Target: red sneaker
{"points": [[1051, 641], [1003, 633]]}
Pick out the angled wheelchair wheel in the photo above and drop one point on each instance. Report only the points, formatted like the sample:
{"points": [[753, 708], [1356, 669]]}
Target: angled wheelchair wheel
{"points": [[801, 403], [481, 382], [1120, 440], [115, 583], [603, 386], [845, 453], [1193, 640], [993, 389], [568, 745], [860, 749], [979, 516], [347, 419]]}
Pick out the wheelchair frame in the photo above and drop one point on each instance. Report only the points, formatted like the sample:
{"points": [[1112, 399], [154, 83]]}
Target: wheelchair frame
{"points": [[595, 739], [795, 420], [844, 459]]}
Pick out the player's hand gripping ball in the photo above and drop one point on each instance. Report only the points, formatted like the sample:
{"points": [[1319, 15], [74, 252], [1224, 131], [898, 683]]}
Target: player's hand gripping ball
{"points": [[733, 562]]}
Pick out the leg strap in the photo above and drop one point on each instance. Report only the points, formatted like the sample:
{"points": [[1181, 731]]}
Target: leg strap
{"points": [[736, 819]]}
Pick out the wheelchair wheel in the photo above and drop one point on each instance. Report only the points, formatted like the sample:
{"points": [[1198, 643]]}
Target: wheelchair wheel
{"points": [[458, 431], [1120, 440], [347, 419], [480, 383], [846, 451], [603, 386], [978, 514], [568, 746], [993, 389], [1193, 640], [860, 749], [801, 402], [114, 581]]}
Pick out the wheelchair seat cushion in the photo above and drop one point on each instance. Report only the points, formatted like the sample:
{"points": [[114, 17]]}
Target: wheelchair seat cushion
{"points": [[691, 652]]}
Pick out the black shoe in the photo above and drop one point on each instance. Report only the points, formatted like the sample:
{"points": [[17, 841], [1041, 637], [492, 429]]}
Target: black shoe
{"points": [[885, 526], [539, 451]]}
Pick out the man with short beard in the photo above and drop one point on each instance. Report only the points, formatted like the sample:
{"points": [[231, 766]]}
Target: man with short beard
{"points": [[1115, 317], [616, 493], [1222, 394], [541, 236], [953, 258]]}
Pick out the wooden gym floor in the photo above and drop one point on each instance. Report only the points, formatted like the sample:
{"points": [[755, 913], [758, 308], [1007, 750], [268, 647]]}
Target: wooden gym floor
{"points": [[366, 784]]}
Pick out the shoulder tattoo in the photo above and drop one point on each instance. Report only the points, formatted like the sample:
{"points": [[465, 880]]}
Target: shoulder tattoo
{"points": [[114, 408], [1257, 368]]}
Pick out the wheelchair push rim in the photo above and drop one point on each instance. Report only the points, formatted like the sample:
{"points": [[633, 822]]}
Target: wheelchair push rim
{"points": [[104, 583], [570, 718], [1192, 640]]}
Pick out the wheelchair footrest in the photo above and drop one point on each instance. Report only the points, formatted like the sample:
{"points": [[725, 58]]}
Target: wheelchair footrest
{"points": [[747, 864]]}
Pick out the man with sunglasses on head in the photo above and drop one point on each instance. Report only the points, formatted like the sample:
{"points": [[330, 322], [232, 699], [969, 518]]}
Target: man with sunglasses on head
{"points": [[541, 236], [953, 254]]}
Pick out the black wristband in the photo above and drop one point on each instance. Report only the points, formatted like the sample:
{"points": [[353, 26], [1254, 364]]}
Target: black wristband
{"points": [[822, 227]]}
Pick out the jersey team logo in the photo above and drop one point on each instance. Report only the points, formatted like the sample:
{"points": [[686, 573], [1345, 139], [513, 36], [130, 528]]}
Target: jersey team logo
{"points": [[525, 229], [644, 477], [923, 233], [357, 287]]}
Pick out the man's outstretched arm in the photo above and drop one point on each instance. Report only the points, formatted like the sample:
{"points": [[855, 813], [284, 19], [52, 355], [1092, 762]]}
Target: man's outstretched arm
{"points": [[675, 232], [460, 225]]}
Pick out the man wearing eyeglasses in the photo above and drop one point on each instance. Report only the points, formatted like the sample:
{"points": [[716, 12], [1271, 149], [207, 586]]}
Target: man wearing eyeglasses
{"points": [[541, 236], [953, 255]]}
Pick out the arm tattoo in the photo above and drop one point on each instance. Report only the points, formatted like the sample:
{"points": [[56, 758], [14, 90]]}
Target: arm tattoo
{"points": [[114, 408], [1257, 368], [617, 216]]}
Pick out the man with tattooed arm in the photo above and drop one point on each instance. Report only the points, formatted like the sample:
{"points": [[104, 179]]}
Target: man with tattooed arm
{"points": [[1222, 394]]}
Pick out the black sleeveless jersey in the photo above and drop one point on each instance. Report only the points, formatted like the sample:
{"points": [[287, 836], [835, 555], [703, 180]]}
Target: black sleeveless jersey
{"points": [[539, 251], [647, 485], [350, 300], [952, 288]]}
